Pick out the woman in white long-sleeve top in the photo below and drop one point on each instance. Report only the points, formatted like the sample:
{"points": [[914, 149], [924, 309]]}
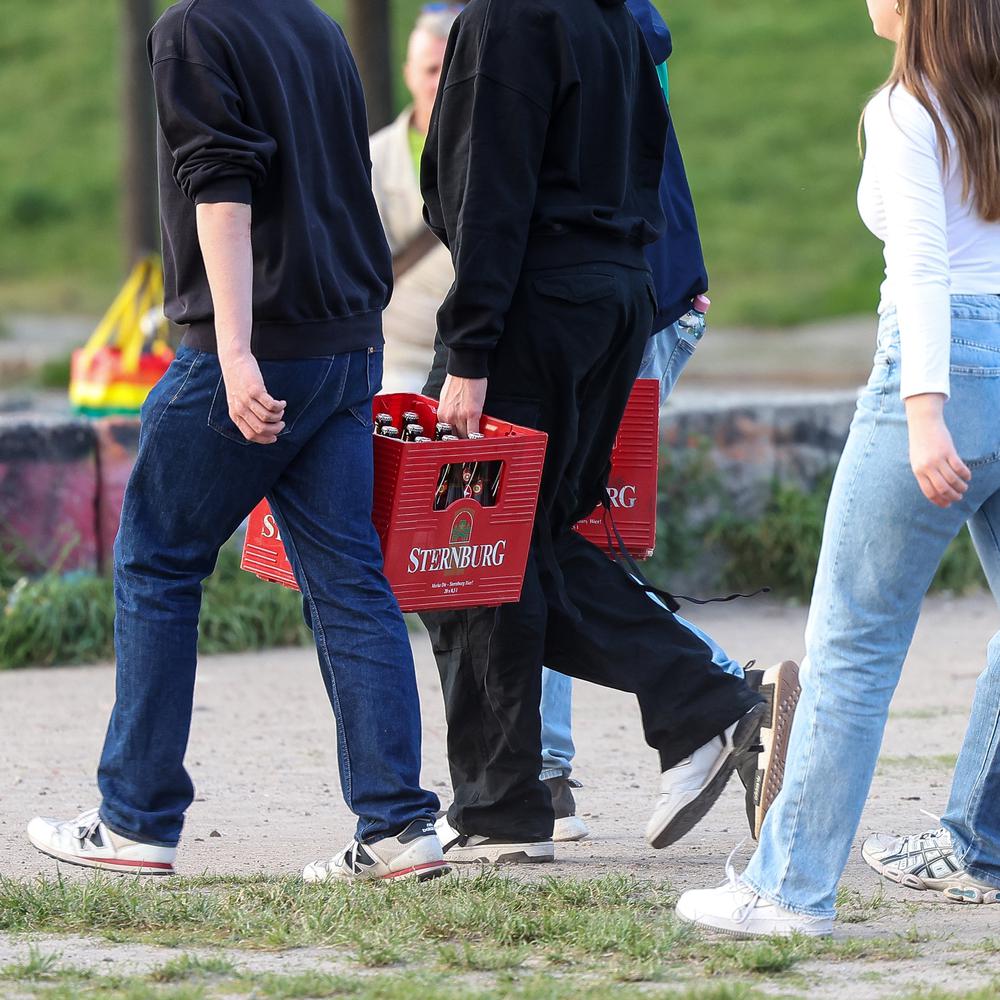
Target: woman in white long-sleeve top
{"points": [[921, 461]]}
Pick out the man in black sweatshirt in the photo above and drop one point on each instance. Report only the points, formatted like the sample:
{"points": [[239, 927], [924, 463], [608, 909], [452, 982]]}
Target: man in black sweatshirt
{"points": [[276, 262], [542, 173]]}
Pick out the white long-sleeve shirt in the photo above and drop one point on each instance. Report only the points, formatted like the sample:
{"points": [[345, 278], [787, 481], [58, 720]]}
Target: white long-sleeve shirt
{"points": [[936, 245]]}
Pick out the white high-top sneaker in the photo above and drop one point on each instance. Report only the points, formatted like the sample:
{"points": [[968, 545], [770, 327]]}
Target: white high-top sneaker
{"points": [[413, 854], [87, 841], [689, 789]]}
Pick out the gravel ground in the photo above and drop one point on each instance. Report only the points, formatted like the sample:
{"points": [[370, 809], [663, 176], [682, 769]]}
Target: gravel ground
{"points": [[262, 755]]}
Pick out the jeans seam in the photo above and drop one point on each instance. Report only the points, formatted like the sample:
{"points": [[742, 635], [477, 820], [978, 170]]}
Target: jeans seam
{"points": [[320, 633], [975, 801], [819, 685]]}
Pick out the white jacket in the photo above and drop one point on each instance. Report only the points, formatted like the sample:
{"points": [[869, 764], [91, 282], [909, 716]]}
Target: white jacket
{"points": [[410, 319]]}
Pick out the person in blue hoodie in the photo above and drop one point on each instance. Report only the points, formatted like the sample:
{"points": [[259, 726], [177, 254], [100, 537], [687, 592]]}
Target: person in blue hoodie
{"points": [[678, 267]]}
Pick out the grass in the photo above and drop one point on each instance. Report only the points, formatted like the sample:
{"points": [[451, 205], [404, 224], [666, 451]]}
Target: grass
{"points": [[63, 620], [71, 984], [766, 95]]}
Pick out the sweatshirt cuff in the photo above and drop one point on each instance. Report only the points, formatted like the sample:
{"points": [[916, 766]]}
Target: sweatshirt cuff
{"points": [[469, 363], [231, 190]]}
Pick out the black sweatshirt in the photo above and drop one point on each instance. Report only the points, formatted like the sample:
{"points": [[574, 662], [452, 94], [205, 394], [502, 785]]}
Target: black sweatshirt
{"points": [[545, 149], [260, 103]]}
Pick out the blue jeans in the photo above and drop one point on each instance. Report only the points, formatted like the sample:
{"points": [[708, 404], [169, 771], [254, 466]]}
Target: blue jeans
{"points": [[882, 544], [195, 480], [667, 355]]}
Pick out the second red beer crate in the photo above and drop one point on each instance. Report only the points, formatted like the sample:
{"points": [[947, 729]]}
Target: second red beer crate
{"points": [[464, 555], [632, 483]]}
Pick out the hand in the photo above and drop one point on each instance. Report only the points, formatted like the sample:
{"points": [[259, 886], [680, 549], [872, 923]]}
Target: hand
{"points": [[462, 402], [943, 476], [259, 416]]}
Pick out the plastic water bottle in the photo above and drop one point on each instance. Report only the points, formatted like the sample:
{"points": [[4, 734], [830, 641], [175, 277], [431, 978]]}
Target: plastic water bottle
{"points": [[692, 323]]}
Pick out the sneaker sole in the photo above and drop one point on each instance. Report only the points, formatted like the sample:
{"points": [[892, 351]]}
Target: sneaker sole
{"points": [[953, 892], [695, 811], [782, 696], [568, 829], [119, 867], [752, 935], [511, 854]]}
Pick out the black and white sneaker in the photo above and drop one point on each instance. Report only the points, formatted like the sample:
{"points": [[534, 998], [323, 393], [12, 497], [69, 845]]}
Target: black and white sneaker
{"points": [[413, 854], [762, 767], [470, 849], [925, 861], [568, 826], [689, 789]]}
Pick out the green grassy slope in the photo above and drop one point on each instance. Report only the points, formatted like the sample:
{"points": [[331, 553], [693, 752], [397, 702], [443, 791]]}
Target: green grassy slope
{"points": [[766, 95]]}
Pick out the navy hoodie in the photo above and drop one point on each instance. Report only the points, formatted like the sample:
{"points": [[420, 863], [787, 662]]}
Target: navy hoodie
{"points": [[676, 260]]}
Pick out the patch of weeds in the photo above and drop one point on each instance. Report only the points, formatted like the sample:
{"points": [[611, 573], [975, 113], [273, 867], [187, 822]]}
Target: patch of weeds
{"points": [[983, 993], [889, 949], [316, 985], [765, 957], [70, 619], [471, 958], [54, 373], [855, 908], [40, 965], [192, 967]]}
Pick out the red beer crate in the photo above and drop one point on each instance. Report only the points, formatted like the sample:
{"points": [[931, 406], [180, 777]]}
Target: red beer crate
{"points": [[466, 555], [632, 483]]}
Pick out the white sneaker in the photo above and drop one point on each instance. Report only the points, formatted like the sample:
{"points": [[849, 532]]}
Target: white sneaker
{"points": [[737, 910], [414, 854], [689, 789], [88, 842], [471, 849], [926, 861], [567, 826]]}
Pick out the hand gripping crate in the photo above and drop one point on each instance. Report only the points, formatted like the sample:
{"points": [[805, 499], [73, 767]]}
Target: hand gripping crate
{"points": [[466, 555], [632, 482]]}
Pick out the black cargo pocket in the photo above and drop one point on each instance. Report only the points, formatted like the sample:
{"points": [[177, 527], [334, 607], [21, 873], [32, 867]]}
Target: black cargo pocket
{"points": [[577, 288]]}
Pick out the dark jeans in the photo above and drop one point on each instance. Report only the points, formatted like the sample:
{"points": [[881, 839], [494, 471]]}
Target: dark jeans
{"points": [[572, 345], [195, 479]]}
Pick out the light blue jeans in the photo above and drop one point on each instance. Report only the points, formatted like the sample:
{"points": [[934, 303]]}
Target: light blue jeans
{"points": [[667, 354], [882, 543]]}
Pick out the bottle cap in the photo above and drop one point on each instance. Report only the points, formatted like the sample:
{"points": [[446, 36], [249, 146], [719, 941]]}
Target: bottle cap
{"points": [[702, 303]]}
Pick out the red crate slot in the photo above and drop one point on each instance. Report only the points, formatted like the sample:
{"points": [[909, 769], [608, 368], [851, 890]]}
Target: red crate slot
{"points": [[466, 555], [632, 482]]}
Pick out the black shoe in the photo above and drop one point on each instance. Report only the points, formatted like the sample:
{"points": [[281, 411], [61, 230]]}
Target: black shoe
{"points": [[762, 767], [568, 826]]}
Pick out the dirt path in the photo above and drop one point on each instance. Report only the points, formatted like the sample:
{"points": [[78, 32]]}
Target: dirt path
{"points": [[262, 755]]}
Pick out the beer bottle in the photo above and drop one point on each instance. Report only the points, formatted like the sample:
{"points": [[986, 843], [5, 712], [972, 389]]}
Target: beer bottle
{"points": [[450, 437], [412, 430], [390, 432], [382, 420], [442, 430], [420, 439], [409, 417], [492, 477]]}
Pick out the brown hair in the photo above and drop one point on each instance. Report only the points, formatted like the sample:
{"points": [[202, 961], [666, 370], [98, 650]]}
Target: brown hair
{"points": [[951, 49]]}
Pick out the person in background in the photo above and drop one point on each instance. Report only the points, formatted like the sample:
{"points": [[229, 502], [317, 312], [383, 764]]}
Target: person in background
{"points": [[422, 267], [275, 261], [922, 460]]}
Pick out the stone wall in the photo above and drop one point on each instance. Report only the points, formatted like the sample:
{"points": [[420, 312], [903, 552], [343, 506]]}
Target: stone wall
{"points": [[62, 481]]}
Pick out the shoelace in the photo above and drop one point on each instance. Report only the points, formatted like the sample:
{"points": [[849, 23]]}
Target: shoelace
{"points": [[86, 824], [736, 886]]}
